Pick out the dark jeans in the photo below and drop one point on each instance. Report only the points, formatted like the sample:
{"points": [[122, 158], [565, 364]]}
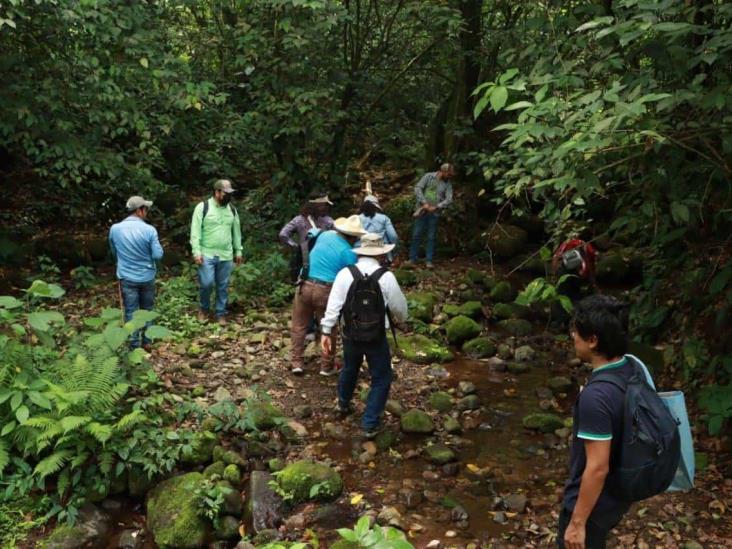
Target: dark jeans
{"points": [[214, 272], [137, 295], [597, 528], [378, 357], [424, 223]]}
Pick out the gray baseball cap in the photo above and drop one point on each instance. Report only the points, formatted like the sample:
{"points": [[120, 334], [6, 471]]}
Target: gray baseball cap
{"points": [[223, 185], [136, 202]]}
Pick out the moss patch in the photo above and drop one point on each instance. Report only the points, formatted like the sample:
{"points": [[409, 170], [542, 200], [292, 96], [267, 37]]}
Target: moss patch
{"points": [[299, 480], [172, 513], [422, 350], [462, 328]]}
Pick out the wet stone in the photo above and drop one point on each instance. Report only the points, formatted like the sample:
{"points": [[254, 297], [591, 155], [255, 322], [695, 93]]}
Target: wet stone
{"points": [[466, 388], [544, 393], [516, 503], [411, 498], [394, 408], [524, 354], [560, 384], [302, 411], [518, 368], [470, 402]]}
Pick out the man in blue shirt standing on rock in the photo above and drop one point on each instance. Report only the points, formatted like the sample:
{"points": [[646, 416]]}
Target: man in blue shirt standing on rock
{"points": [[136, 248], [433, 194]]}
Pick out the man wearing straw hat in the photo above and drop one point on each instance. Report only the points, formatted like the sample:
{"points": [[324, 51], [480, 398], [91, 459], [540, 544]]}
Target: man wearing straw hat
{"points": [[331, 253], [136, 248], [368, 340]]}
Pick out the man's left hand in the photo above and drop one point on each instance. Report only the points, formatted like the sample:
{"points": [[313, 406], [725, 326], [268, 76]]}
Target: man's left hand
{"points": [[238, 259], [574, 536]]}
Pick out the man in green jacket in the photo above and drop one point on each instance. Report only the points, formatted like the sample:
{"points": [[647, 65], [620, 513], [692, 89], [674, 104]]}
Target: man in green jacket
{"points": [[216, 246]]}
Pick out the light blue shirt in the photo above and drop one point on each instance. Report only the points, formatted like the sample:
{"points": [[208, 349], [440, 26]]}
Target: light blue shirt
{"points": [[331, 253], [136, 248], [379, 224]]}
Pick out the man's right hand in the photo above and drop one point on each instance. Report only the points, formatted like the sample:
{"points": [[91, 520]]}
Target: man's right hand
{"points": [[198, 260]]}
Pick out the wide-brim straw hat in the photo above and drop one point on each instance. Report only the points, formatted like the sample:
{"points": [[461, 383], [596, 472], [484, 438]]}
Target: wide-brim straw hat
{"points": [[373, 244], [350, 226], [373, 200]]}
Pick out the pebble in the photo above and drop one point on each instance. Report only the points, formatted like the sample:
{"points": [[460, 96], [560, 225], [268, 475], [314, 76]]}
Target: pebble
{"points": [[466, 388], [434, 544], [451, 534], [430, 475], [370, 447]]}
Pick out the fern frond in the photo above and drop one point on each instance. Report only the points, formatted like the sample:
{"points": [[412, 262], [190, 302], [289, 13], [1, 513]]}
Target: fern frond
{"points": [[40, 422], [52, 464], [99, 431], [64, 481], [129, 420], [4, 456], [70, 423], [106, 461], [79, 460]]}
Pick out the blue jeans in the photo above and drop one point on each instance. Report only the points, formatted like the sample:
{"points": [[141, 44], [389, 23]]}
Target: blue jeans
{"points": [[137, 295], [214, 271], [425, 222], [378, 357]]}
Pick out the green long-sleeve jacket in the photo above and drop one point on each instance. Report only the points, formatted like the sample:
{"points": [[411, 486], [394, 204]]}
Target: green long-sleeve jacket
{"points": [[219, 234]]}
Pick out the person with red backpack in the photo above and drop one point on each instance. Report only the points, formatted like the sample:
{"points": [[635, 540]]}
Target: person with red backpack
{"points": [[367, 299]]}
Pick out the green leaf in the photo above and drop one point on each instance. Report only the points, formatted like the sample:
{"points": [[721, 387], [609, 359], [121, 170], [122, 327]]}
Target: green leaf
{"points": [[143, 62], [505, 127], [594, 23], [39, 288], [41, 320], [111, 313], [144, 315], [8, 428], [22, 414], [519, 105], [715, 425], [4, 456], [506, 76], [348, 535], [9, 302], [16, 401], [720, 280], [480, 105], [669, 26], [680, 213], [136, 356], [158, 332], [115, 336], [499, 96], [39, 400]]}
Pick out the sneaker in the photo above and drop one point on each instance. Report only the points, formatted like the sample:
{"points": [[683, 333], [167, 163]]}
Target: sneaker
{"points": [[202, 316], [429, 265], [297, 370], [310, 336], [221, 320], [331, 370], [371, 432]]}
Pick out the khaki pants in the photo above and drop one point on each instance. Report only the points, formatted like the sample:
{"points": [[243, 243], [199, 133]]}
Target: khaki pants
{"points": [[310, 300]]}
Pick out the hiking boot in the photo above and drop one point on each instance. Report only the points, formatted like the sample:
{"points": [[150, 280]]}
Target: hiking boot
{"points": [[371, 432], [429, 265], [221, 320], [341, 412], [330, 370], [297, 370], [202, 316]]}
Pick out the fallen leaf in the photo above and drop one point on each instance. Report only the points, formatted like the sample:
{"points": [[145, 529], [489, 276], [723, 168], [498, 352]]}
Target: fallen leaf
{"points": [[356, 499], [473, 468]]}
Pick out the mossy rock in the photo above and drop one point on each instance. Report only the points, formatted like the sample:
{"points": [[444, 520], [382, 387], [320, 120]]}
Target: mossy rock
{"points": [[441, 401], [232, 474], [516, 327], [264, 415], [421, 349], [546, 423], [172, 513], [504, 311], [503, 292], [233, 504], [440, 454], [227, 528], [560, 384], [614, 266], [422, 305], [480, 278], [506, 240], [518, 367], [202, 447], [198, 391], [417, 421], [479, 347], [405, 277], [276, 464], [299, 478], [472, 309], [65, 537], [451, 309], [461, 328], [217, 468], [345, 544], [385, 440]]}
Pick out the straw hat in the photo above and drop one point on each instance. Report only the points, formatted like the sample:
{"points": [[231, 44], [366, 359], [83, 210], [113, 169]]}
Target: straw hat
{"points": [[373, 200], [372, 244], [350, 226]]}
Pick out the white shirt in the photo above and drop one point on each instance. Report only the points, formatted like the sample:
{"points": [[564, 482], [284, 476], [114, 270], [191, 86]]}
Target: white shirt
{"points": [[393, 297]]}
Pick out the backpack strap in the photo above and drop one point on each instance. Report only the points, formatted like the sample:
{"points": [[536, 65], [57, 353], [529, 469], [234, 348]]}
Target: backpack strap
{"points": [[376, 275], [355, 273]]}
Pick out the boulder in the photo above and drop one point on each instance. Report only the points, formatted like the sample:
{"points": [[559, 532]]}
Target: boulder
{"points": [[417, 421], [440, 454], [92, 525], [518, 367], [232, 474], [422, 305], [516, 327], [479, 347], [297, 480], [264, 507], [405, 277], [616, 266], [480, 278], [525, 353], [441, 401], [506, 240], [394, 407], [546, 423], [233, 504], [503, 311], [227, 528], [264, 415], [470, 402], [450, 310], [466, 388], [560, 384], [461, 328], [202, 447], [452, 425], [217, 468], [172, 513], [503, 292], [422, 350], [385, 440], [471, 309]]}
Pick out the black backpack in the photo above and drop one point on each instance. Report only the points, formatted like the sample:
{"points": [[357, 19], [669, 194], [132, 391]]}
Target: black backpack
{"points": [[300, 260], [651, 445], [364, 310]]}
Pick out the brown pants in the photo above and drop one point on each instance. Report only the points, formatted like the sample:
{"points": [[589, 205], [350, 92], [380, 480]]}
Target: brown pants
{"points": [[310, 300]]}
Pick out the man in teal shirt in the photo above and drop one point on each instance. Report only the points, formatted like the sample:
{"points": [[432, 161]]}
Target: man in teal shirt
{"points": [[216, 246]]}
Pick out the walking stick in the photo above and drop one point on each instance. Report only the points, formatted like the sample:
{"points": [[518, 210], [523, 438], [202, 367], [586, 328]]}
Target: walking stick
{"points": [[121, 302]]}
